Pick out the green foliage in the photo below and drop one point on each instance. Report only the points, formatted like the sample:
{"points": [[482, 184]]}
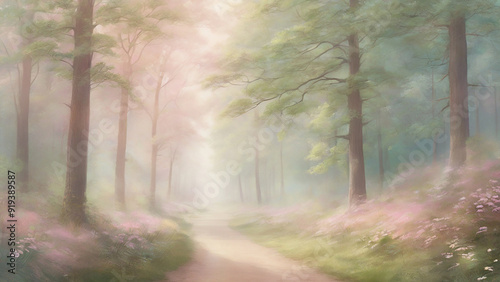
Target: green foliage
{"points": [[101, 73], [424, 233], [238, 107], [165, 252], [103, 44], [345, 256]]}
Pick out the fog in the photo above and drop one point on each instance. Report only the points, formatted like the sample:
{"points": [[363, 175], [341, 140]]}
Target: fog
{"points": [[226, 140]]}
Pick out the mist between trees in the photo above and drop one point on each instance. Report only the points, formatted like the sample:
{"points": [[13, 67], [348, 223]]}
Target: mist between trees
{"points": [[176, 108]]}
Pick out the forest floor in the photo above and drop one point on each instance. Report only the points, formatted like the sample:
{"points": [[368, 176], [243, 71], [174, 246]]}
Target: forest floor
{"points": [[432, 226], [224, 255]]}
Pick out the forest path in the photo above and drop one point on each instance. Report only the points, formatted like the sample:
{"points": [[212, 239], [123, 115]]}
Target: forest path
{"points": [[225, 255]]}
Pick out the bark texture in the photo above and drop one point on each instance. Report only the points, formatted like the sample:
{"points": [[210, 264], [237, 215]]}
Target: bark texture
{"points": [[76, 175], [357, 181], [459, 108]]}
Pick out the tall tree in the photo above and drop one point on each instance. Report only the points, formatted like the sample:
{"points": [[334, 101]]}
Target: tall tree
{"points": [[138, 25], [303, 66], [357, 181], [27, 47], [76, 175], [459, 99], [453, 16], [168, 73], [22, 151]]}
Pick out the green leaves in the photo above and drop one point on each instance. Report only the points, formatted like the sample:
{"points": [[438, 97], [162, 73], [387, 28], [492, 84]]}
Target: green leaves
{"points": [[238, 107], [327, 156], [318, 151], [41, 49], [103, 44], [101, 73]]}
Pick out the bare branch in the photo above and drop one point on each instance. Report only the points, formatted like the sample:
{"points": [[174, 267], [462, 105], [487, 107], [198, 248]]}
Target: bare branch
{"points": [[445, 76], [70, 64], [447, 106], [346, 137], [367, 122], [445, 98], [36, 74]]}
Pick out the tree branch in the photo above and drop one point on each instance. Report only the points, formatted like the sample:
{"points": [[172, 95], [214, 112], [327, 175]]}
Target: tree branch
{"points": [[36, 74], [442, 110], [445, 98]]}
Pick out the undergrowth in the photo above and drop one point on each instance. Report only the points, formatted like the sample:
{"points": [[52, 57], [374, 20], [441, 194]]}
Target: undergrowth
{"points": [[429, 229]]}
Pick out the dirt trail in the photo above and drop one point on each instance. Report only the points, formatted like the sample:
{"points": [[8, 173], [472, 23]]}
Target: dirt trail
{"points": [[224, 255]]}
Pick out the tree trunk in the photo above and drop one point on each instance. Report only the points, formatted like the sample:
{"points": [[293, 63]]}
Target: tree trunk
{"points": [[170, 174], [152, 186], [496, 113], [76, 175], [240, 188], [357, 182], [434, 149], [257, 177], [23, 110], [121, 149], [282, 184], [380, 153], [459, 108], [265, 180], [478, 127], [154, 137], [23, 122]]}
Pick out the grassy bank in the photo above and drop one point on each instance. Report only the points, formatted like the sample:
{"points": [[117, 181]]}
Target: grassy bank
{"points": [[114, 246], [426, 229]]}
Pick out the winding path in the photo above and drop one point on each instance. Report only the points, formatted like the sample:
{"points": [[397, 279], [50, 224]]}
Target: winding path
{"points": [[224, 255]]}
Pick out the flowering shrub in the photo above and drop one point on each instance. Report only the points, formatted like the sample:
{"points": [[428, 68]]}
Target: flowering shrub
{"points": [[137, 246]]}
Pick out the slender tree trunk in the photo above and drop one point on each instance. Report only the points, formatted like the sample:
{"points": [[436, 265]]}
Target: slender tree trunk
{"points": [[23, 110], [282, 176], [478, 127], [170, 174], [240, 188], [121, 149], [152, 186], [496, 113], [76, 175], [459, 108], [434, 148], [387, 164], [23, 122], [154, 137], [257, 157], [357, 182], [257, 178], [271, 182], [264, 181], [380, 152]]}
